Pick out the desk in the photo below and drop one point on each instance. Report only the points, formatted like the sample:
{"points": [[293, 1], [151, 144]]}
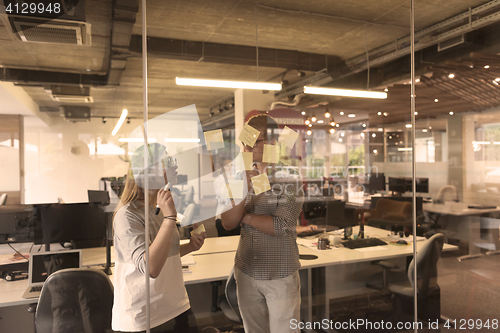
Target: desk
{"points": [[465, 224], [215, 260]]}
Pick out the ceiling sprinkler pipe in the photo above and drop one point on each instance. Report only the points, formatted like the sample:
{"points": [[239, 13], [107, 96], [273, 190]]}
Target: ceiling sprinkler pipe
{"points": [[295, 102]]}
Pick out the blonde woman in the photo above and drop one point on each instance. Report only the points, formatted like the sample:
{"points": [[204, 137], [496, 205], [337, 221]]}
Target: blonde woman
{"points": [[170, 308]]}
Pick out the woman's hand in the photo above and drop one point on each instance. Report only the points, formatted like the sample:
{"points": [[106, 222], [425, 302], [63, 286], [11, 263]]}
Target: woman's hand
{"points": [[165, 201], [197, 240]]}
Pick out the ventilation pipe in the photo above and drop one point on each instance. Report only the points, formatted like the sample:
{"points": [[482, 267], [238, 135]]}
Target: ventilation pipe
{"points": [[295, 102]]}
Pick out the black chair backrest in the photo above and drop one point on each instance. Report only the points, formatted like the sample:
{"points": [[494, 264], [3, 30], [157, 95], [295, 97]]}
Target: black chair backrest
{"points": [[75, 300], [231, 297]]}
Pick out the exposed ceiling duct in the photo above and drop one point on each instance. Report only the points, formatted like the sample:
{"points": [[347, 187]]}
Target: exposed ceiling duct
{"points": [[70, 94], [295, 102]]}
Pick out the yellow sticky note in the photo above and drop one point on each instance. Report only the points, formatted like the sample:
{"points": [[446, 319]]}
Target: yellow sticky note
{"points": [[288, 137], [236, 187], [214, 139], [260, 183], [248, 135], [247, 160], [271, 154], [199, 230]]}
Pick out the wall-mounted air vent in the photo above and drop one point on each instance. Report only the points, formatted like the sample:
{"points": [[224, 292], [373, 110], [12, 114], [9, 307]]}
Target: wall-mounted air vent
{"points": [[51, 31], [70, 94], [75, 113]]}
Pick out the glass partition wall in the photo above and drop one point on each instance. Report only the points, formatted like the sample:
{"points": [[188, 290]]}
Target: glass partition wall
{"points": [[371, 162]]}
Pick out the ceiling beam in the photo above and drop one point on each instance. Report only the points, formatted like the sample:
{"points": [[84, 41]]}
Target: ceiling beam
{"points": [[235, 54]]}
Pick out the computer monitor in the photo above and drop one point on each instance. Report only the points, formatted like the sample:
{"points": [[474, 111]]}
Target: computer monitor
{"points": [[100, 197], [84, 224], [16, 224], [401, 185], [377, 182], [397, 185], [335, 214]]}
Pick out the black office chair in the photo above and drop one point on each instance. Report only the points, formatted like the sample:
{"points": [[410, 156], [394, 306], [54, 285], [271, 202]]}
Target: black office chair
{"points": [[400, 284], [228, 303], [75, 300]]}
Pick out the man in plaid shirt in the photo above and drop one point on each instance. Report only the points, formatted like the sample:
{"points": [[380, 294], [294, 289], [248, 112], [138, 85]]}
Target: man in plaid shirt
{"points": [[267, 260]]}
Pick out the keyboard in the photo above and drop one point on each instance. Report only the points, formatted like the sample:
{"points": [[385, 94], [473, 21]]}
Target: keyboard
{"points": [[33, 289], [310, 233], [363, 242]]}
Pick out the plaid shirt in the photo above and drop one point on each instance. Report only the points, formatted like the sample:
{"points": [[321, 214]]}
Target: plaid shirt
{"points": [[266, 257]]}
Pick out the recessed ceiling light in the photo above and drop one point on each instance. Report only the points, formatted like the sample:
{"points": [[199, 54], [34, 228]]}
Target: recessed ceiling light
{"points": [[385, 114], [375, 151], [380, 129], [351, 115], [386, 90], [487, 66], [341, 113], [379, 113], [416, 113], [451, 113], [364, 125], [417, 80], [321, 121], [451, 76], [337, 125], [374, 135], [408, 125], [424, 130], [303, 113], [436, 100]]}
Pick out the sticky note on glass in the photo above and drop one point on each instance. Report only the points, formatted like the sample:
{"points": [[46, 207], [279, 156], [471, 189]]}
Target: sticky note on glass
{"points": [[271, 154], [236, 187], [214, 139], [247, 160], [249, 135], [199, 230], [288, 137], [260, 183]]}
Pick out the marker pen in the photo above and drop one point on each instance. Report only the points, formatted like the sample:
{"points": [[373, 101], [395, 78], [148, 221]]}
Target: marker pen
{"points": [[165, 188]]}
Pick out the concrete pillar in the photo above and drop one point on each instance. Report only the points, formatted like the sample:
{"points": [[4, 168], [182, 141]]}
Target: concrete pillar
{"points": [[456, 167]]}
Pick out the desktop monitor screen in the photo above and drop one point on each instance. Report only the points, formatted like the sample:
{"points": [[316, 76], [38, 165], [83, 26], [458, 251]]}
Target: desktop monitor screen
{"points": [[397, 185], [81, 223], [377, 182], [335, 214]]}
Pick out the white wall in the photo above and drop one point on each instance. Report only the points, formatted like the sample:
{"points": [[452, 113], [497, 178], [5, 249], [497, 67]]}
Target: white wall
{"points": [[58, 162]]}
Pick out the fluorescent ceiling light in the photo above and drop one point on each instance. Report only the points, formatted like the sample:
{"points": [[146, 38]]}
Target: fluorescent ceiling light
{"points": [[351, 115], [120, 121], [404, 149], [152, 140], [481, 142], [182, 140], [344, 92], [227, 84]]}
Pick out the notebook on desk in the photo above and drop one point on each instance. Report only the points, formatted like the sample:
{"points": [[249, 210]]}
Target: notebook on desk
{"points": [[41, 265]]}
